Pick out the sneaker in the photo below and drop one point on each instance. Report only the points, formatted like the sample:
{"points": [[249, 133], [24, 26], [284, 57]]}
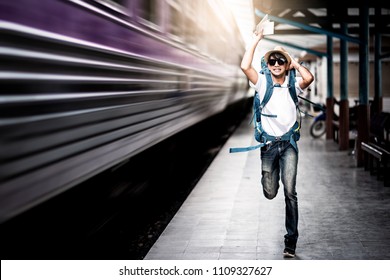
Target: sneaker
{"points": [[288, 253]]}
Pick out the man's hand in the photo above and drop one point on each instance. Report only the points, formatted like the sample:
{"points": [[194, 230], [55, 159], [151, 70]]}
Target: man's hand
{"points": [[258, 35]]}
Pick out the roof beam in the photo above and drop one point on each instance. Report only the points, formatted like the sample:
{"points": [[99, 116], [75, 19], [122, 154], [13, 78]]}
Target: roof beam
{"points": [[310, 28], [384, 55], [351, 31], [304, 4], [317, 53], [334, 18]]}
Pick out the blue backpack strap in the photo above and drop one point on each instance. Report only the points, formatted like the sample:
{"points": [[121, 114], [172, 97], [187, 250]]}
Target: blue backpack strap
{"points": [[256, 107], [263, 64], [295, 135], [245, 149], [257, 123], [293, 93], [268, 92], [291, 86]]}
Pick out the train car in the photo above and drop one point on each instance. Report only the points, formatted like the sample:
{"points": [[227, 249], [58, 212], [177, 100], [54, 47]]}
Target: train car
{"points": [[87, 84]]}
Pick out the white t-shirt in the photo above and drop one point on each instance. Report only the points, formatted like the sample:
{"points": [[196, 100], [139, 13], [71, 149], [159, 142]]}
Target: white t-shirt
{"points": [[280, 104]]}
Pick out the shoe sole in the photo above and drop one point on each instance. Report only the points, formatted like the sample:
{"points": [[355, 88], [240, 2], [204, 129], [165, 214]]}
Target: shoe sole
{"points": [[288, 255]]}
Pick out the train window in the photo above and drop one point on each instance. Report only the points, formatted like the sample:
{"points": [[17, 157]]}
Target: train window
{"points": [[148, 10], [191, 26], [116, 5], [191, 9], [190, 31], [119, 2], [176, 19]]}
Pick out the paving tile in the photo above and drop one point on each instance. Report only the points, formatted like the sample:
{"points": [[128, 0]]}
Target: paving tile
{"points": [[206, 242], [164, 256], [200, 256], [228, 248], [238, 256]]}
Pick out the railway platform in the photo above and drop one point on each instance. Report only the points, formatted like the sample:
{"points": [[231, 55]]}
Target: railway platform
{"points": [[344, 213]]}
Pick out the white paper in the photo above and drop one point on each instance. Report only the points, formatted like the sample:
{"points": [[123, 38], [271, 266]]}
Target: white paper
{"points": [[266, 25], [268, 28]]}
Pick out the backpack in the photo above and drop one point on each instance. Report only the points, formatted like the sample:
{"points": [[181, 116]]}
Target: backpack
{"points": [[260, 135]]}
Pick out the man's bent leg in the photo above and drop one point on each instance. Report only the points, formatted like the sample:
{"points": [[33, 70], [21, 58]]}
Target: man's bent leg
{"points": [[289, 165], [270, 171]]}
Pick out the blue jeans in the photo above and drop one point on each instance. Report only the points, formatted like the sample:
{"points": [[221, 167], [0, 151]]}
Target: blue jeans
{"points": [[280, 160]]}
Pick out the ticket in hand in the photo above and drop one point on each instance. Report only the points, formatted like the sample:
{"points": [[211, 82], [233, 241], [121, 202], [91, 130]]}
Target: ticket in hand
{"points": [[266, 25]]}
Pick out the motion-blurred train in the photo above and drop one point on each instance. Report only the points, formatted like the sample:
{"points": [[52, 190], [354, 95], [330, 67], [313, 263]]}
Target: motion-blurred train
{"points": [[86, 84]]}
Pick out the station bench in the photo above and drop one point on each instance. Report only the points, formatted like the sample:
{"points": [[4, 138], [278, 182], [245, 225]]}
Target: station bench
{"points": [[377, 149], [377, 161]]}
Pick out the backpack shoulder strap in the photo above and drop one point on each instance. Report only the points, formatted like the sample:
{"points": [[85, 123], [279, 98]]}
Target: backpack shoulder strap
{"points": [[268, 92], [269, 88], [293, 94], [256, 107], [291, 86]]}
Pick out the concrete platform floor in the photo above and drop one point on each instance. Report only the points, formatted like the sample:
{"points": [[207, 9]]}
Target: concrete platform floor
{"points": [[344, 213]]}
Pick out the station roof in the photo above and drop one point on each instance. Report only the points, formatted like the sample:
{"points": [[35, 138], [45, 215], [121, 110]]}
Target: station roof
{"points": [[320, 18]]}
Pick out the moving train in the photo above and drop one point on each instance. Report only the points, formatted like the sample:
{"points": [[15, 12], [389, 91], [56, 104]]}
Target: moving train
{"points": [[87, 84]]}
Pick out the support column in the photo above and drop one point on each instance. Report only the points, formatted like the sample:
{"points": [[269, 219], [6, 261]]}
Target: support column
{"points": [[344, 103], [329, 98], [363, 107], [377, 105]]}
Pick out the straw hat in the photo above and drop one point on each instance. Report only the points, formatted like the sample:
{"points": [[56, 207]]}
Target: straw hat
{"points": [[278, 49]]}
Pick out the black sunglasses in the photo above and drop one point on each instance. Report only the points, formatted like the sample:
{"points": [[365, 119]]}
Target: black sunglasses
{"points": [[280, 61]]}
